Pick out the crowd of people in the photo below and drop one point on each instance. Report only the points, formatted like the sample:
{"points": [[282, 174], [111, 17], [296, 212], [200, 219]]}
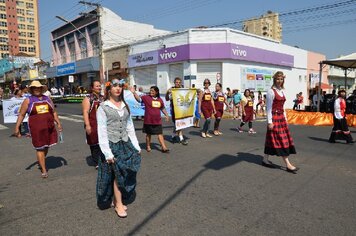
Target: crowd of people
{"points": [[111, 136]]}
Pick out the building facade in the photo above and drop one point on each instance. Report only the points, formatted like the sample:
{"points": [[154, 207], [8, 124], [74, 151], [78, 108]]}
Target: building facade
{"points": [[91, 48], [234, 58], [267, 26], [19, 28]]}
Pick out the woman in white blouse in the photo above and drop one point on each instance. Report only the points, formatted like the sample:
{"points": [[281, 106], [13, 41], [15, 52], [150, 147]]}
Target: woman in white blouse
{"points": [[121, 151], [278, 142]]}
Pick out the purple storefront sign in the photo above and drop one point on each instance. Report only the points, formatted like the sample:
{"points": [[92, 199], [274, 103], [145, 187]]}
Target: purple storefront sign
{"points": [[143, 59], [211, 51]]}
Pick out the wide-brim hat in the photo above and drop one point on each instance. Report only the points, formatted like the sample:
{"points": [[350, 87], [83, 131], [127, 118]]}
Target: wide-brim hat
{"points": [[36, 84]]}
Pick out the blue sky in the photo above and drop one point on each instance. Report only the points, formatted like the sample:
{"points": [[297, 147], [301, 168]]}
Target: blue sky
{"points": [[337, 39]]}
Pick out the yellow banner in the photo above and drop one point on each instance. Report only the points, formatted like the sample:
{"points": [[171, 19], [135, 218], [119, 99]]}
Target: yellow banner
{"points": [[184, 100]]}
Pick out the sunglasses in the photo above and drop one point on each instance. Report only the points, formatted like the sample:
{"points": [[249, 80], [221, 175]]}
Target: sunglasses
{"points": [[117, 82]]}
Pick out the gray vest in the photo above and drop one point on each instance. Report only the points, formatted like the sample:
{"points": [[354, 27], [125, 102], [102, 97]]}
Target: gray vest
{"points": [[116, 125]]}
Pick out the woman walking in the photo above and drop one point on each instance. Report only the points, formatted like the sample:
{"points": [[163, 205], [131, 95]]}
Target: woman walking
{"points": [[152, 124], [90, 105], [41, 122], [278, 142], [247, 112], [340, 129], [219, 101], [118, 142], [206, 107]]}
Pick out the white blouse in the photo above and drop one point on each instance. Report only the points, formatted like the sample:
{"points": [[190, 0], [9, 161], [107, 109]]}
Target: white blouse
{"points": [[269, 103], [102, 129]]}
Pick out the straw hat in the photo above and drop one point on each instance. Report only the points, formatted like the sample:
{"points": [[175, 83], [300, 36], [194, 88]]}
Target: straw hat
{"points": [[35, 84]]}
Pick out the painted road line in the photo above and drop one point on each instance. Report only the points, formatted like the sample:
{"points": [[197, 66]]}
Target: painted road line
{"points": [[70, 119], [2, 127]]}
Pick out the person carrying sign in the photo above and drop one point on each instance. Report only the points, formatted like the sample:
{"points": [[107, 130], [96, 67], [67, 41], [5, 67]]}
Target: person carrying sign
{"points": [[179, 133]]}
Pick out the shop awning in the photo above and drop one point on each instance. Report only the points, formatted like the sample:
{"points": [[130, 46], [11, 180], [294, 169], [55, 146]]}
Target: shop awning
{"points": [[325, 86]]}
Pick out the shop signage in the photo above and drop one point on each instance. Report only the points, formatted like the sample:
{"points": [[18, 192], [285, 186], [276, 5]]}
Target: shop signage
{"points": [[143, 59], [211, 51], [66, 69], [116, 65]]}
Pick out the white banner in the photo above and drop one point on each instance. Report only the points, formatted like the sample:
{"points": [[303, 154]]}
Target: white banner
{"points": [[184, 123], [11, 109]]}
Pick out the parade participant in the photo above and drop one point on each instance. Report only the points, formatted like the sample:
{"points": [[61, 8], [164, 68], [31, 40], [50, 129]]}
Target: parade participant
{"points": [[247, 112], [196, 112], [120, 162], [179, 133], [278, 142], [219, 101], [152, 124], [41, 121], [236, 99], [90, 105], [229, 99], [340, 130], [206, 107]]}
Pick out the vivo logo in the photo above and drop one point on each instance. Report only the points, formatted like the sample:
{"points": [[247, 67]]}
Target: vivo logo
{"points": [[238, 52], [168, 55]]}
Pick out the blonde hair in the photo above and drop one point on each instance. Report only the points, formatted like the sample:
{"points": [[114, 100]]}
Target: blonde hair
{"points": [[278, 73]]}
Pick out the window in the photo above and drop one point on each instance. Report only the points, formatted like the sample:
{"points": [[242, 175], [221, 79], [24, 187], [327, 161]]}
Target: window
{"points": [[30, 20], [22, 34], [21, 26], [22, 41], [4, 40], [30, 35], [4, 47], [3, 16], [30, 27], [20, 11], [2, 23], [30, 12], [2, 1], [23, 49], [29, 5], [2, 8], [21, 19], [20, 4], [31, 42], [3, 32], [32, 49]]}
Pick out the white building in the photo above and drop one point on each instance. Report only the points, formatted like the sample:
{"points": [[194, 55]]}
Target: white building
{"points": [[234, 58]]}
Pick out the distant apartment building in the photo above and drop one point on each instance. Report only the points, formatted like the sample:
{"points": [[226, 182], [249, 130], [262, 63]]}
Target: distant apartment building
{"points": [[267, 25], [19, 31]]}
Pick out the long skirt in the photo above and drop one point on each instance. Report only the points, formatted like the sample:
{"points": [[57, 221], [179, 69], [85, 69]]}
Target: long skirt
{"points": [[124, 170], [279, 142], [340, 131]]}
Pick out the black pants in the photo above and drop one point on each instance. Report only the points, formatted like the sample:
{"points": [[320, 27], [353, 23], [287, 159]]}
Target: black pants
{"points": [[95, 153]]}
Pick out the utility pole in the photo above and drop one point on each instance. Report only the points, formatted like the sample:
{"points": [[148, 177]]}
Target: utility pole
{"points": [[101, 53]]}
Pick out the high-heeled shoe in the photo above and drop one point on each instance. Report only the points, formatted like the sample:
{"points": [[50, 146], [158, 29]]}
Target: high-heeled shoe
{"points": [[293, 171]]}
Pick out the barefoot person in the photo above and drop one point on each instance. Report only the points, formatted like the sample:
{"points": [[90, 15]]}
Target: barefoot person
{"points": [[152, 124], [90, 105], [118, 142], [41, 122], [278, 142]]}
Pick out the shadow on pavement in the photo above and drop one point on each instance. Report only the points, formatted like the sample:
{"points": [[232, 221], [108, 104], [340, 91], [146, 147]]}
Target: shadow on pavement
{"points": [[319, 139], [220, 162], [52, 162], [195, 133]]}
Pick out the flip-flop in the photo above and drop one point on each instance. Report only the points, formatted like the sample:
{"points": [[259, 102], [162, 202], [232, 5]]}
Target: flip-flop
{"points": [[121, 214], [44, 175]]}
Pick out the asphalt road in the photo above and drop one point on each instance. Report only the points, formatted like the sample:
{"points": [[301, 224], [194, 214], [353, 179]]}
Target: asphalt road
{"points": [[210, 187]]}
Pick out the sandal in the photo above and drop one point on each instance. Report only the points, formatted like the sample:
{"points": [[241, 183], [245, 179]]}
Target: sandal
{"points": [[44, 175], [165, 150], [122, 214], [148, 149]]}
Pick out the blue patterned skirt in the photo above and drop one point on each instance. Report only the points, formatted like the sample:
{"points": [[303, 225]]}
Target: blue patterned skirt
{"points": [[124, 170]]}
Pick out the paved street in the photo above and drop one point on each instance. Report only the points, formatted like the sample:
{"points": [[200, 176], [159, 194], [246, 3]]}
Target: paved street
{"points": [[210, 187]]}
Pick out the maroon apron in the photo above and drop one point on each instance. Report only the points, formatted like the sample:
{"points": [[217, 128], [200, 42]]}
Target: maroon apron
{"points": [[206, 106], [41, 122], [219, 105]]}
